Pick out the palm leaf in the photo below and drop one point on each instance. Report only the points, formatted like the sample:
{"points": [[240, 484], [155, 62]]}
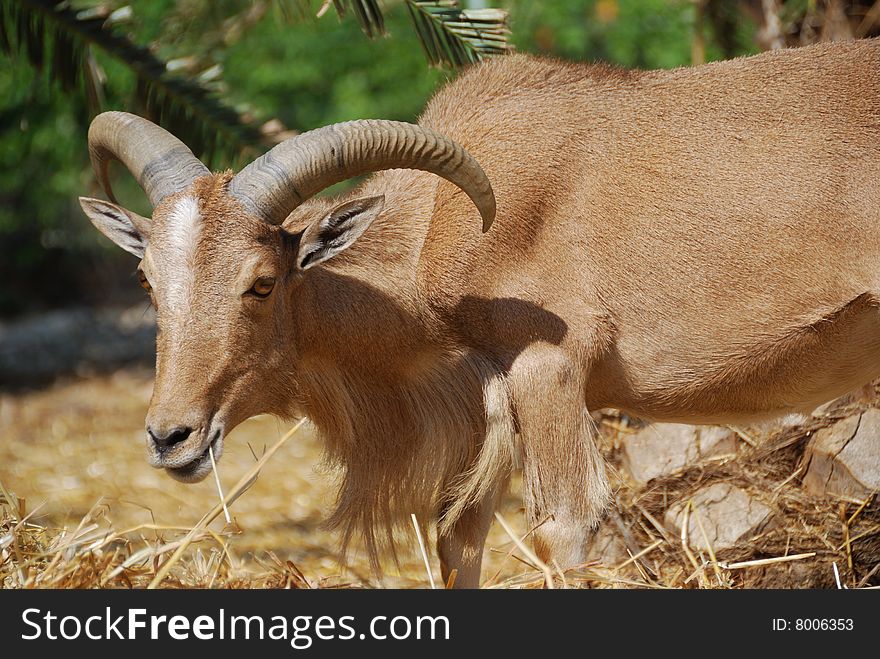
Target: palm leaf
{"points": [[450, 35], [53, 36], [367, 12], [454, 36]]}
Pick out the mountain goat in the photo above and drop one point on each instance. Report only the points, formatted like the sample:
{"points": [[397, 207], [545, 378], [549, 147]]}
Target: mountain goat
{"points": [[699, 245]]}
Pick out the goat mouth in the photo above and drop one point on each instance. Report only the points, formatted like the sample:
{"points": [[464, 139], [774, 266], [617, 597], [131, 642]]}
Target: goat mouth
{"points": [[197, 469]]}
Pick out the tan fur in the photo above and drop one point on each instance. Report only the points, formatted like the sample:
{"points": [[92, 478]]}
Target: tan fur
{"points": [[698, 245]]}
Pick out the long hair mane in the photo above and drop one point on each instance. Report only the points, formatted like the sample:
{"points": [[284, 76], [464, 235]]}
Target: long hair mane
{"points": [[431, 444]]}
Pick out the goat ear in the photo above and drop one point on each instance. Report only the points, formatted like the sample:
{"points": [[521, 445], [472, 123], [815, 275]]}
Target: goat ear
{"points": [[337, 230], [128, 230]]}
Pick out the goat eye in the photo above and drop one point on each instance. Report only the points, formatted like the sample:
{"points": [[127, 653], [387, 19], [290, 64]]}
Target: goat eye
{"points": [[262, 287], [145, 284]]}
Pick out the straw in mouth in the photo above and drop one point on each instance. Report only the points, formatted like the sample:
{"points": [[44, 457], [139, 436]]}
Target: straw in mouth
{"points": [[217, 481]]}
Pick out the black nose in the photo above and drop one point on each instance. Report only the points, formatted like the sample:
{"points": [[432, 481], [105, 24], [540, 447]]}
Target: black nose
{"points": [[164, 441]]}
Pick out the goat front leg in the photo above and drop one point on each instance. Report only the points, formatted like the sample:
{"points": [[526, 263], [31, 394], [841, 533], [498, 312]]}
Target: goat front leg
{"points": [[565, 489], [461, 547], [465, 521]]}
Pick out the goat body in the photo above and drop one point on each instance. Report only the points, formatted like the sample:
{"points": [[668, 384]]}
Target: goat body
{"points": [[697, 245]]}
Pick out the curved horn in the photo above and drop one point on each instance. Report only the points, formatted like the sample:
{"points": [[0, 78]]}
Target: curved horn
{"points": [[300, 167], [160, 162]]}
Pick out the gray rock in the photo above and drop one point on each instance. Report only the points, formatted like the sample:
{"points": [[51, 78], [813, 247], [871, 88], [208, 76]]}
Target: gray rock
{"points": [[844, 459], [35, 350], [662, 449], [606, 546], [728, 514]]}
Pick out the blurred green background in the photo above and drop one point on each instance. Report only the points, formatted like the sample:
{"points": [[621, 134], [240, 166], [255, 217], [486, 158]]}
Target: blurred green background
{"points": [[277, 62]]}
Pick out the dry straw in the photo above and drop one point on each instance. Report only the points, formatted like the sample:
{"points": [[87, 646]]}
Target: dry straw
{"points": [[415, 523], [808, 536], [240, 488], [94, 555]]}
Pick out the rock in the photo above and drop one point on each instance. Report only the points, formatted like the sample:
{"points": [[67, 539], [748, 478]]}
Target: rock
{"points": [[844, 459], [728, 514], [661, 449], [35, 350], [606, 546]]}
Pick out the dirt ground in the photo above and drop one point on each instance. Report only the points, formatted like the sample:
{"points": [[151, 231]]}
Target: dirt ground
{"points": [[67, 447]]}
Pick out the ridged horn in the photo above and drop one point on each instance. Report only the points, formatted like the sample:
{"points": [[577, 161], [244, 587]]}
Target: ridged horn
{"points": [[160, 162], [277, 182]]}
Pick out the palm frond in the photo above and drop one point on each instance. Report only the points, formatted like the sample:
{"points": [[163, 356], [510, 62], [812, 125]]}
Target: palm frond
{"points": [[450, 35], [367, 12], [54, 36], [454, 36]]}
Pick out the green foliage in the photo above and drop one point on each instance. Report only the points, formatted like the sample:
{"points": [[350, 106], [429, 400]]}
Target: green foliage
{"points": [[48, 254], [324, 71], [647, 34], [58, 37]]}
